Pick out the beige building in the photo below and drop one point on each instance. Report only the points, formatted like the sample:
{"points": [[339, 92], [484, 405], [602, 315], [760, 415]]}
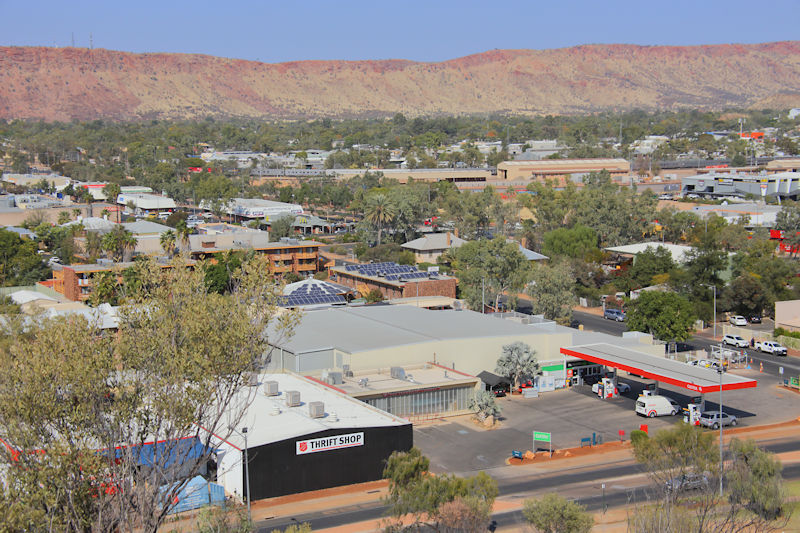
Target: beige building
{"points": [[379, 337], [787, 315], [428, 248], [559, 169]]}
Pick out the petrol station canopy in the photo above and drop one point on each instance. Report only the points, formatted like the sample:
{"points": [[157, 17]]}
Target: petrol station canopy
{"points": [[693, 378]]}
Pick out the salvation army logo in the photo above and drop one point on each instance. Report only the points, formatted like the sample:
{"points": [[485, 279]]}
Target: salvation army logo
{"points": [[303, 446]]}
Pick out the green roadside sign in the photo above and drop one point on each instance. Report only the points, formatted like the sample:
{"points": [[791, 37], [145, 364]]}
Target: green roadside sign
{"points": [[541, 436]]}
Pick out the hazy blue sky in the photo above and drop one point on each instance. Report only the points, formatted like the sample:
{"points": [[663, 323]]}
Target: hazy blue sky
{"points": [[377, 29]]}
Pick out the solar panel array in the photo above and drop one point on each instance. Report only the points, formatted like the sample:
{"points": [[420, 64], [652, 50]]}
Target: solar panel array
{"points": [[390, 271], [314, 294]]}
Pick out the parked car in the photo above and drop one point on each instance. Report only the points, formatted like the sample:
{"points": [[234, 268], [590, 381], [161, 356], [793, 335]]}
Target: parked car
{"points": [[665, 196], [734, 340], [711, 419], [770, 347], [738, 320], [614, 314], [688, 481], [755, 319]]}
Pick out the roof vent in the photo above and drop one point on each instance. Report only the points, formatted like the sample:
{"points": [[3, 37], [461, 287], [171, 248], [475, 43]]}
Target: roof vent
{"points": [[293, 398], [333, 417], [271, 388], [397, 372], [275, 411], [316, 409], [252, 379]]}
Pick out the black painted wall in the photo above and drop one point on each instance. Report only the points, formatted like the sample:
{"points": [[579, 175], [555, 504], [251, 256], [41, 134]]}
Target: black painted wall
{"points": [[276, 469]]}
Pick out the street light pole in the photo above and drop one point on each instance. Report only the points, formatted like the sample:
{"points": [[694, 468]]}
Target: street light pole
{"points": [[715, 315], [721, 463]]}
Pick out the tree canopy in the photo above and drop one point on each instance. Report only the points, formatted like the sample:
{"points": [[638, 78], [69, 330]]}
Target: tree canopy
{"points": [[665, 315]]}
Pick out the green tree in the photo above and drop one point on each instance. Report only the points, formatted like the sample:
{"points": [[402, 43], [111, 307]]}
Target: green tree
{"points": [[744, 295], [552, 292], [167, 241], [63, 217], [788, 221], [379, 211], [754, 480], [484, 405], [412, 491], [648, 264], [491, 267], [576, 242], [117, 242], [168, 372], [517, 362], [111, 192], [374, 296], [754, 499], [553, 513], [281, 227], [665, 315], [20, 263]]}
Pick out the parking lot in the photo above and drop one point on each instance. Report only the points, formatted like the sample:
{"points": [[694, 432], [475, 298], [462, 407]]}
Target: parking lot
{"points": [[458, 445]]}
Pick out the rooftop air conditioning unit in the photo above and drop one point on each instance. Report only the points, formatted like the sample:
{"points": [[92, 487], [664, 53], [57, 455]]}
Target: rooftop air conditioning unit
{"points": [[316, 409], [271, 388], [292, 398], [397, 372], [332, 377], [252, 379]]}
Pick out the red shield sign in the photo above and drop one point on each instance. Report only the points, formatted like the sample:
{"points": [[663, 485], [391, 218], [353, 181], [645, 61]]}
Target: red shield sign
{"points": [[303, 446]]}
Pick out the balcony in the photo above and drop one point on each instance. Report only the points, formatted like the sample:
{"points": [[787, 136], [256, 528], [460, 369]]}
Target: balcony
{"points": [[307, 255]]}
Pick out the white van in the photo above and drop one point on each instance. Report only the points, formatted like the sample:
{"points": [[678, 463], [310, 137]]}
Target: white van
{"points": [[651, 406]]}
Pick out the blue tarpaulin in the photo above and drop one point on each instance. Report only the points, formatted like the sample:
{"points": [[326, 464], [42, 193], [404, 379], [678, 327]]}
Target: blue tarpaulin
{"points": [[163, 453], [198, 493]]}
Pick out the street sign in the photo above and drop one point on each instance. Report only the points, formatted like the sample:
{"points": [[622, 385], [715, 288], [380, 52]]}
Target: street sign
{"points": [[780, 370], [544, 437], [541, 436]]}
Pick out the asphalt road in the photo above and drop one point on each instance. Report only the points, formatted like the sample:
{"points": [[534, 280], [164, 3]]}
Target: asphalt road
{"points": [[521, 485], [772, 363]]}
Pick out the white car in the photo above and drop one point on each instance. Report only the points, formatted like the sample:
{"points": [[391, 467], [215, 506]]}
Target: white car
{"points": [[770, 347], [734, 340], [738, 320]]}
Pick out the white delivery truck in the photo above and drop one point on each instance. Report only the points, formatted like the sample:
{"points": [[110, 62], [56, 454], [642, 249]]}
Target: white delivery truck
{"points": [[651, 406]]}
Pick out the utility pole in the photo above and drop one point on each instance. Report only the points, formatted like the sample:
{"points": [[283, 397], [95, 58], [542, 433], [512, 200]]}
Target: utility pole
{"points": [[91, 42]]}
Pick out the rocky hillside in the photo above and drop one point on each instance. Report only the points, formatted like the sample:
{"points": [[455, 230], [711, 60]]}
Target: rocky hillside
{"points": [[74, 83]]}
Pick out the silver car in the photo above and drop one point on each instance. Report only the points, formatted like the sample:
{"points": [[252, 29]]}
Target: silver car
{"points": [[711, 419], [688, 481]]}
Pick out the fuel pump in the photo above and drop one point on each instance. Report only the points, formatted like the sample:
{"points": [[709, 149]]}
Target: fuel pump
{"points": [[694, 410], [610, 388]]}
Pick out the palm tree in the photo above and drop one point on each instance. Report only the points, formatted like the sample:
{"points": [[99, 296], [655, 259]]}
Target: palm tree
{"points": [[168, 242], [112, 190], [182, 232], [117, 242], [379, 210]]}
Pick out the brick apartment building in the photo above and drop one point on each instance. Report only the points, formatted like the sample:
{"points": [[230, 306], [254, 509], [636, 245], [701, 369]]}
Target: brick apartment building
{"points": [[393, 281], [288, 255]]}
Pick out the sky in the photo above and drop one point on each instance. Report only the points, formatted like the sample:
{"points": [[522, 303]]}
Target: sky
{"points": [[273, 32]]}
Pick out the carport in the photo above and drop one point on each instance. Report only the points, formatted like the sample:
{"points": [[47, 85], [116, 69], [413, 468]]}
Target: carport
{"points": [[659, 369]]}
